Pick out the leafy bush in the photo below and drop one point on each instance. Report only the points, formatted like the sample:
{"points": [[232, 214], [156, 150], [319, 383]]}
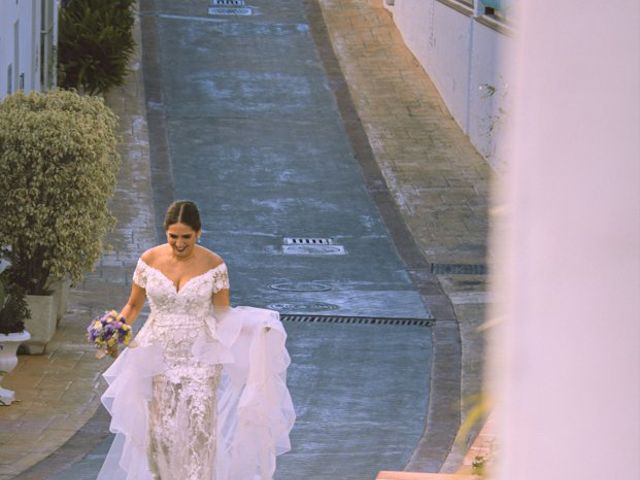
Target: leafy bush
{"points": [[95, 44], [58, 166]]}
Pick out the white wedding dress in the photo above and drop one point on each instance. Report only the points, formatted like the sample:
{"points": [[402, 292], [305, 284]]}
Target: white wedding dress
{"points": [[199, 394]]}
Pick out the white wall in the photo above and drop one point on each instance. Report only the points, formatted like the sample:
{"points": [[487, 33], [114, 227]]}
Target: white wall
{"points": [[28, 63], [567, 350], [462, 57]]}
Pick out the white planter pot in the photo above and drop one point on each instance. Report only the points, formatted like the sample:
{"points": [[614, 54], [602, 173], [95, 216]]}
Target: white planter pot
{"points": [[42, 324], [60, 289], [8, 360]]}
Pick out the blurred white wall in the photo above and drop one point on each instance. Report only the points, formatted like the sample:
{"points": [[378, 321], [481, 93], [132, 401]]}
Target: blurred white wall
{"points": [[566, 365]]}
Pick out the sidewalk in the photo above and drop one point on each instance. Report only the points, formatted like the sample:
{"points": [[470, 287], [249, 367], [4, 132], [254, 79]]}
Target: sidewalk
{"points": [[59, 391], [436, 178]]}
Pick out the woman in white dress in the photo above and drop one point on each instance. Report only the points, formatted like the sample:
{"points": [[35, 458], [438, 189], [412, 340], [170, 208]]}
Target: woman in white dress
{"points": [[200, 394]]}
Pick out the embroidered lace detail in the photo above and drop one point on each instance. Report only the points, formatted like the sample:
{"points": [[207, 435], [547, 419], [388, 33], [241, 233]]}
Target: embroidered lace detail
{"points": [[140, 274], [220, 279], [182, 411], [194, 297], [182, 427]]}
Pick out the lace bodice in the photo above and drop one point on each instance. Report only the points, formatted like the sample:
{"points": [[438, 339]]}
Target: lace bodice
{"points": [[192, 300], [179, 318]]}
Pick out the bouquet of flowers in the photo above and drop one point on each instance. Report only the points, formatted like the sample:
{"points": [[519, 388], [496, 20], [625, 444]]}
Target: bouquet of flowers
{"points": [[106, 331]]}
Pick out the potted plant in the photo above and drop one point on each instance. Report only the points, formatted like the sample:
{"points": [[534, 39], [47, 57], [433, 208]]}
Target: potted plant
{"points": [[13, 312], [58, 166]]}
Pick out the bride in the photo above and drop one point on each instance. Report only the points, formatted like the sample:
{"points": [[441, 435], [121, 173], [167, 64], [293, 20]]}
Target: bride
{"points": [[200, 394]]}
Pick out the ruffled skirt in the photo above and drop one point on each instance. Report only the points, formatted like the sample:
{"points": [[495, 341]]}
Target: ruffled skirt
{"points": [[223, 412]]}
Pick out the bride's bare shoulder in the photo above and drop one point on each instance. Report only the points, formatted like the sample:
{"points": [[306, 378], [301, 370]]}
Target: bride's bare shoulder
{"points": [[151, 255], [211, 258]]}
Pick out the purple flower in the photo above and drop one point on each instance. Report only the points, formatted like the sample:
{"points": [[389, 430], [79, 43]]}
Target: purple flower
{"points": [[108, 326]]}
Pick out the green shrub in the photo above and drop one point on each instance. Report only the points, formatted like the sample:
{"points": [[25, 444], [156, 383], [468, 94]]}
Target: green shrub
{"points": [[58, 166], [13, 307], [95, 44]]}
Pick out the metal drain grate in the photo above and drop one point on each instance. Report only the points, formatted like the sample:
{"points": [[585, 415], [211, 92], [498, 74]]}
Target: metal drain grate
{"points": [[227, 3], [230, 11], [404, 322], [307, 241], [458, 269], [311, 246]]}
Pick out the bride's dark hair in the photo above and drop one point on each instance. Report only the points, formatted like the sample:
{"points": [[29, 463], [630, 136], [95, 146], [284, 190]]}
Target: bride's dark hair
{"points": [[183, 211]]}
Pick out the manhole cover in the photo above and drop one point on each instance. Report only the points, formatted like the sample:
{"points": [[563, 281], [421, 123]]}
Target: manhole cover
{"points": [[311, 246], [232, 11], [300, 287], [313, 250], [303, 307]]}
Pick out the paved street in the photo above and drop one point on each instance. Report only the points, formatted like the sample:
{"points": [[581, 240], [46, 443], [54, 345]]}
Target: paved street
{"points": [[248, 116], [255, 138]]}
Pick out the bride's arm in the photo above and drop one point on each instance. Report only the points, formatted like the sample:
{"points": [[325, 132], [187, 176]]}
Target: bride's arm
{"points": [[221, 303], [221, 298], [134, 305]]}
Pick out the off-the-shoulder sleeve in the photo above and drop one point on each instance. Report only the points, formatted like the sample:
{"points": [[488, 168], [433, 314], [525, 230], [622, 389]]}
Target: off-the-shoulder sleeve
{"points": [[140, 274], [220, 278]]}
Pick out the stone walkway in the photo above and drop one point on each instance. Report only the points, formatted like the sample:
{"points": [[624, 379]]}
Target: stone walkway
{"points": [[437, 180]]}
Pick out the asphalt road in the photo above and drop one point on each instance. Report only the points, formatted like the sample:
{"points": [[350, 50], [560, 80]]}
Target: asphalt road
{"points": [[254, 136]]}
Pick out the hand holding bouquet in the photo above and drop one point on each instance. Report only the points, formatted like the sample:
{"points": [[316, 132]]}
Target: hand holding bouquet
{"points": [[106, 331]]}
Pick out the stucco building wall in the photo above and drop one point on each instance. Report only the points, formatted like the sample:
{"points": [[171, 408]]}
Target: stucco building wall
{"points": [[460, 47], [28, 31]]}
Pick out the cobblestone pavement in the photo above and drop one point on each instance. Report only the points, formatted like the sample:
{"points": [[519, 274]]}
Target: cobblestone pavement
{"points": [[437, 182]]}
